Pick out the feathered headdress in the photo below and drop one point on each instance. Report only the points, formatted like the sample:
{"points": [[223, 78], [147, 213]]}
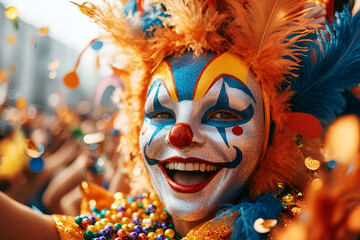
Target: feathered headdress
{"points": [[271, 36]]}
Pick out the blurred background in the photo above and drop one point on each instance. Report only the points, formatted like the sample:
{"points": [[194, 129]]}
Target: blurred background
{"points": [[59, 100]]}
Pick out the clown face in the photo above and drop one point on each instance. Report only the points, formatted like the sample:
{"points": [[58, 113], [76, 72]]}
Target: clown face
{"points": [[203, 132]]}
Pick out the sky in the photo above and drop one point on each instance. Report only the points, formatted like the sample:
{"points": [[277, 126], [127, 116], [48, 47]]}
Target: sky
{"points": [[66, 22]]}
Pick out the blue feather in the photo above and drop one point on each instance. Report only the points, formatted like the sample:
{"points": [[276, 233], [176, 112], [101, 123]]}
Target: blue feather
{"points": [[266, 207], [337, 67]]}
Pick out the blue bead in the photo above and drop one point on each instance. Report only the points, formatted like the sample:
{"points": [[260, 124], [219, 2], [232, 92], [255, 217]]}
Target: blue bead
{"points": [[164, 226], [137, 229], [145, 230], [120, 209], [92, 219], [109, 228], [160, 237], [115, 132], [151, 208], [139, 196], [137, 221], [36, 164], [102, 238], [133, 235], [103, 232]]}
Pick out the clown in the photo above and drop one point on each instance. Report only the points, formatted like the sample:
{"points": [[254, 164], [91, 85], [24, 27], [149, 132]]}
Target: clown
{"points": [[224, 104], [203, 132]]}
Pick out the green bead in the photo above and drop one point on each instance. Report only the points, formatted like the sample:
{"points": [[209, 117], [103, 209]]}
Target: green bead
{"points": [[78, 220], [147, 212], [167, 238], [88, 235], [96, 235], [170, 225], [141, 205], [117, 225]]}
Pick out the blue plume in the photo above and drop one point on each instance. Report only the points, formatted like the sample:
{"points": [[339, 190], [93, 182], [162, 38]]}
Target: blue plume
{"points": [[266, 206], [150, 17], [318, 89]]}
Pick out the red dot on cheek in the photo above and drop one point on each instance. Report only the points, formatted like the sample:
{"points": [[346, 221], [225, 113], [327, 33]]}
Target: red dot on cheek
{"points": [[237, 130]]}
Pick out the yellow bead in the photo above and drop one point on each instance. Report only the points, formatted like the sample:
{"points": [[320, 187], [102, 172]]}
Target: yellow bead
{"points": [[114, 218], [99, 226], [135, 215], [163, 216], [91, 228], [131, 226], [124, 227], [156, 203], [169, 233], [118, 195], [154, 216], [125, 220], [159, 231], [105, 221], [134, 206], [153, 196], [151, 236], [108, 214], [114, 206], [146, 203]]}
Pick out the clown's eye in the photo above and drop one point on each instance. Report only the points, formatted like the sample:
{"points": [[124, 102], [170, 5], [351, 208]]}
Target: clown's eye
{"points": [[162, 116], [224, 115]]}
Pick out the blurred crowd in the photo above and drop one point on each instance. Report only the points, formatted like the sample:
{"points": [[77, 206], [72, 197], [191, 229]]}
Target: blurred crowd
{"points": [[45, 156]]}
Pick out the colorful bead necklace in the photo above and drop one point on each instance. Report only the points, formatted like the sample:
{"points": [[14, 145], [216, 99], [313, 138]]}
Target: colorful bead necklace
{"points": [[139, 218]]}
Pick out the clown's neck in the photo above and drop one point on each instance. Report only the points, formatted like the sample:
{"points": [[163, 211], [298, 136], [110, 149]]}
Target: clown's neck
{"points": [[183, 227]]}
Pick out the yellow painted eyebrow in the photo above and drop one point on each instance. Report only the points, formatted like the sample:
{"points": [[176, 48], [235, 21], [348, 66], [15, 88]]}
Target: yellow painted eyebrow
{"points": [[164, 72], [224, 64]]}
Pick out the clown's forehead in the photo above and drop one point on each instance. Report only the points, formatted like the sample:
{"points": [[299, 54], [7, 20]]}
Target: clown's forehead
{"points": [[189, 78]]}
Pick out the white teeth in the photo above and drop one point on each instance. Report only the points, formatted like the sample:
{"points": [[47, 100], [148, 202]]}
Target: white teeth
{"points": [[196, 166], [181, 166], [190, 166], [202, 167]]}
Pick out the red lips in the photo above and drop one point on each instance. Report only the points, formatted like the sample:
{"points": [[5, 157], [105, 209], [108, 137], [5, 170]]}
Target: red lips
{"points": [[187, 188]]}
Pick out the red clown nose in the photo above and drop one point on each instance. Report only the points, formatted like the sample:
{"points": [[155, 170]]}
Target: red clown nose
{"points": [[180, 135]]}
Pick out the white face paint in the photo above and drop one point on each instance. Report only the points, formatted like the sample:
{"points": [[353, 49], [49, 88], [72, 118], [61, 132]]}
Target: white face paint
{"points": [[205, 159]]}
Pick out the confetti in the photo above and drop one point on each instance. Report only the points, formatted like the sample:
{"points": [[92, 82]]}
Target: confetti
{"points": [[20, 103], [264, 226], [44, 31], [11, 39], [54, 65], [31, 149], [52, 74], [93, 138], [3, 76], [71, 80], [312, 164], [11, 13], [97, 45]]}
